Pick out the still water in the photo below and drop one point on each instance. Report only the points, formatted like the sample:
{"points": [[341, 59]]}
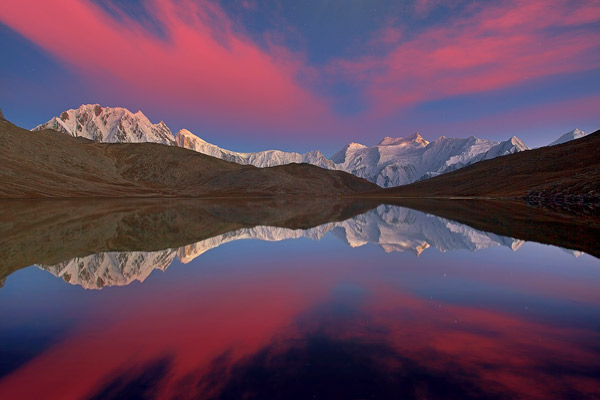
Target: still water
{"points": [[389, 303]]}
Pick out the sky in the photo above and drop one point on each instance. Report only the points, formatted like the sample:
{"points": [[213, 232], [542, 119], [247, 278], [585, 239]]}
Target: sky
{"points": [[252, 75]]}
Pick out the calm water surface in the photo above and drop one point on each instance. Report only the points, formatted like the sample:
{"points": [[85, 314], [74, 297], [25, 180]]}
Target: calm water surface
{"points": [[392, 303]]}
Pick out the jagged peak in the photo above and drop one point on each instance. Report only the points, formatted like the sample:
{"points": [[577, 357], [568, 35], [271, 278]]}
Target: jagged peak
{"points": [[184, 133], [571, 135], [353, 145], [414, 138], [317, 153], [518, 142], [110, 124], [85, 107], [421, 248], [340, 156], [388, 140], [517, 244], [97, 109]]}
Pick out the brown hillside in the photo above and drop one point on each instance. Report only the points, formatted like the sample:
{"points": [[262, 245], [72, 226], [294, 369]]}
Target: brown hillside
{"points": [[52, 164]]}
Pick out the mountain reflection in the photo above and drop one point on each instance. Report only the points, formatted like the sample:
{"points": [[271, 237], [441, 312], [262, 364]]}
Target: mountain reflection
{"points": [[435, 317], [392, 228], [98, 243]]}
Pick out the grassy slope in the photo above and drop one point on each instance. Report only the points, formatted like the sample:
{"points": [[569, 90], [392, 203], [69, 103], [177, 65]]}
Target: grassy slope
{"points": [[50, 164]]}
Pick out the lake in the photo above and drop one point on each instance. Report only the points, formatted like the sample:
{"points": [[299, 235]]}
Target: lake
{"points": [[298, 299]]}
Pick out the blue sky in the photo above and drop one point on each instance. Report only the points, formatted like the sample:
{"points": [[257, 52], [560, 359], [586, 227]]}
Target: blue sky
{"points": [[303, 75]]}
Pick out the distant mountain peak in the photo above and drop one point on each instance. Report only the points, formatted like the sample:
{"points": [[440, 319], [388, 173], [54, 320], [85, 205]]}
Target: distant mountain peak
{"points": [[572, 135], [109, 124], [268, 158], [414, 138], [356, 145], [181, 136], [518, 142]]}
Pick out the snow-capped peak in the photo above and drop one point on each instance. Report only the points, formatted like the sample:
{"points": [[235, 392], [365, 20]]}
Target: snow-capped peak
{"points": [[572, 135], [109, 124], [352, 147], [518, 142], [184, 135], [268, 158], [414, 138], [392, 162]]}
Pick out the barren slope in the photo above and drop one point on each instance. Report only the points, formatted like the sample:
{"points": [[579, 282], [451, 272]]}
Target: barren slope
{"points": [[52, 164]]}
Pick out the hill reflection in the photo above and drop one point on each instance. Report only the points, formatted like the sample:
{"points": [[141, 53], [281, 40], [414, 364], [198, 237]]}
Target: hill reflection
{"points": [[115, 242]]}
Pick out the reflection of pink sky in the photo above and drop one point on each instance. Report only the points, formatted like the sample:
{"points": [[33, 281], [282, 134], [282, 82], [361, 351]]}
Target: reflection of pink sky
{"points": [[245, 312]]}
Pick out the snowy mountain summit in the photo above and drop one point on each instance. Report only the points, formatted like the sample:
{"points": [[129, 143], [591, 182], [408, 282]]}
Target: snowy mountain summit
{"points": [[391, 162], [399, 161], [268, 158], [416, 140], [574, 134], [110, 125]]}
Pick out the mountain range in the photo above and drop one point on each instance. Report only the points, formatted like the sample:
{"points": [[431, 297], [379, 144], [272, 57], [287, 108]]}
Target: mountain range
{"points": [[565, 176], [391, 162], [48, 163], [109, 125]]}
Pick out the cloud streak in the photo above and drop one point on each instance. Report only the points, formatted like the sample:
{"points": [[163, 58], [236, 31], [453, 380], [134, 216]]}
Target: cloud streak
{"points": [[487, 48], [195, 60], [203, 66]]}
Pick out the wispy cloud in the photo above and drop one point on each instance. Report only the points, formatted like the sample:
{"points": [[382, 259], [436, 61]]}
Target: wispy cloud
{"points": [[202, 65], [197, 60], [487, 48]]}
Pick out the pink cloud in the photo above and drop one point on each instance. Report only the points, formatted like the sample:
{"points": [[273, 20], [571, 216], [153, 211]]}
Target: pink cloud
{"points": [[207, 67], [424, 7], [490, 47], [204, 66]]}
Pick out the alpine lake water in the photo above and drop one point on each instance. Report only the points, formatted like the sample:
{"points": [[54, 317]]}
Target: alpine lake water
{"points": [[299, 299]]}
